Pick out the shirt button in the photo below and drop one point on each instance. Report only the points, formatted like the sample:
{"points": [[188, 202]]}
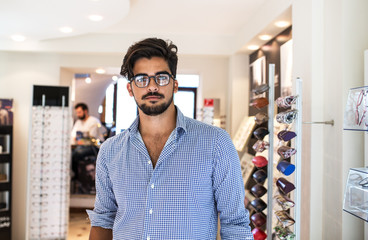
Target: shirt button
{"points": [[149, 162], [150, 211], [148, 238], [152, 186]]}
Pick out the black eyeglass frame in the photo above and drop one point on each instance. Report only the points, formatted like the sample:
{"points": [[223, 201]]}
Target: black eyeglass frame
{"points": [[133, 79]]}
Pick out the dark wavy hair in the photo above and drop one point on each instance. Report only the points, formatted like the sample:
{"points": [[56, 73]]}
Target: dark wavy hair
{"points": [[148, 48], [81, 105]]}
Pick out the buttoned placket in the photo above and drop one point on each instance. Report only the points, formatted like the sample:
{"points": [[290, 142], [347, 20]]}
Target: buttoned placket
{"points": [[152, 186]]}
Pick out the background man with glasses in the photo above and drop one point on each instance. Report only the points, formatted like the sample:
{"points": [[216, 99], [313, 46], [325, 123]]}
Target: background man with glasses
{"points": [[167, 176]]}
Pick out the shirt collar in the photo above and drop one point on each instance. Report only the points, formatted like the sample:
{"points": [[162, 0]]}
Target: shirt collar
{"points": [[181, 126]]}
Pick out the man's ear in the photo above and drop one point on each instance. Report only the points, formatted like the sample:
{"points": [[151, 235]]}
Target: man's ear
{"points": [[176, 86], [130, 90]]}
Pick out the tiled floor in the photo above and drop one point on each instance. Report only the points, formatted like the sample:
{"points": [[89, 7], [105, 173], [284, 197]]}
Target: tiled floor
{"points": [[79, 225]]}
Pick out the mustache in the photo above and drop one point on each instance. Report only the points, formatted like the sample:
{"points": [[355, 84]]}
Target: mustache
{"points": [[153, 94]]}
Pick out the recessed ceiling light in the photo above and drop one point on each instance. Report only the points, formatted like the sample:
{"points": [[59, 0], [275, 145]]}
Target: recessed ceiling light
{"points": [[282, 24], [66, 29], [265, 37], [115, 78], [253, 47], [88, 80], [18, 38], [100, 71], [95, 18]]}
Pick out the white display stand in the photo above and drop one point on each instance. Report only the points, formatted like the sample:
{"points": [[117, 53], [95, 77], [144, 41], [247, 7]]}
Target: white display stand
{"points": [[49, 172]]}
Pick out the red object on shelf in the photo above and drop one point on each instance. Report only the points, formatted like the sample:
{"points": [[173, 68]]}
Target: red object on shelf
{"points": [[258, 234], [259, 161], [208, 102]]}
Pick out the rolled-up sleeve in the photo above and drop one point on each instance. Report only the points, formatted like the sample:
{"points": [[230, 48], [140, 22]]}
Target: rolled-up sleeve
{"points": [[104, 212], [229, 190]]}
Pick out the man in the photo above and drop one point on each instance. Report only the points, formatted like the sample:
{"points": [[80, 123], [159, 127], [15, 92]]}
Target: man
{"points": [[88, 126], [167, 176], [85, 128]]}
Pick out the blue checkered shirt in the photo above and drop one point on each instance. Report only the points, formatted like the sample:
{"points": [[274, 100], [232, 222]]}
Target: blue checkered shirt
{"points": [[196, 179]]}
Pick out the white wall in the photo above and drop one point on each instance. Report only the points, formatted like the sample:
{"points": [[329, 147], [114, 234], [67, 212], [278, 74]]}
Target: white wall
{"points": [[354, 42], [329, 38], [238, 97], [214, 74], [19, 71]]}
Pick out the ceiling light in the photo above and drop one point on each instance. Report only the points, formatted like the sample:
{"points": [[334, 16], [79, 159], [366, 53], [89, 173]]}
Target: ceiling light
{"points": [[115, 78], [100, 71], [265, 37], [66, 29], [253, 47], [282, 24], [88, 80], [95, 18], [18, 38]]}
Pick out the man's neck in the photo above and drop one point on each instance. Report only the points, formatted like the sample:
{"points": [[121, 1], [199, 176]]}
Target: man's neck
{"points": [[160, 125]]}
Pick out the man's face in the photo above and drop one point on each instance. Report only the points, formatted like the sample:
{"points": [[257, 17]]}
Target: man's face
{"points": [[153, 99], [81, 114]]}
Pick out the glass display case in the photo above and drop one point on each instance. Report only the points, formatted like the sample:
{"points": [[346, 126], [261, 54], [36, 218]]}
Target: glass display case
{"points": [[356, 193]]}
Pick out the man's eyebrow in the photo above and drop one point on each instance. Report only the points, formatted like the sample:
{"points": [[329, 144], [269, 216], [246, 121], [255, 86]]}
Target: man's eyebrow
{"points": [[162, 72], [145, 74]]}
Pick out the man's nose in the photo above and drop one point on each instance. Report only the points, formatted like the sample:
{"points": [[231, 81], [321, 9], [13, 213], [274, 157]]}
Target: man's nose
{"points": [[152, 85]]}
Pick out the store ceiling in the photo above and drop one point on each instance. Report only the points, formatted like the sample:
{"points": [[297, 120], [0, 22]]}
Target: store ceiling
{"points": [[206, 21]]}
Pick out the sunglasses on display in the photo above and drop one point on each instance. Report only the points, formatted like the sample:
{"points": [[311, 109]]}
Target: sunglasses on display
{"points": [[258, 219], [161, 79], [360, 117]]}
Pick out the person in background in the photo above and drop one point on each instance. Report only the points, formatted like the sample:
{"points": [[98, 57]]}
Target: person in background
{"points": [[86, 137], [167, 176], [86, 126]]}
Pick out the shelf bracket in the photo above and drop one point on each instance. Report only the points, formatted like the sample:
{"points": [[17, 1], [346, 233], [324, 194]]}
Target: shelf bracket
{"points": [[331, 122]]}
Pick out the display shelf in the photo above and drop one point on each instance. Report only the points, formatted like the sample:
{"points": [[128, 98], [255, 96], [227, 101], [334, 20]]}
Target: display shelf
{"points": [[356, 193], [283, 163], [4, 143], [4, 172], [6, 136]]}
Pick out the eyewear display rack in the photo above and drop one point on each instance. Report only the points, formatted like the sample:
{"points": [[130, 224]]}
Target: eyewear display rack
{"points": [[49, 164], [275, 211], [273, 174], [6, 139]]}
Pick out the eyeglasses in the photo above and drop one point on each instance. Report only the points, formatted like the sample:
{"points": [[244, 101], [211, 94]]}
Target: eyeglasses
{"points": [[359, 119], [161, 79]]}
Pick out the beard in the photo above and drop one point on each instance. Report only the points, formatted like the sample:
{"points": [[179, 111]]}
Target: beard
{"points": [[155, 109], [82, 117]]}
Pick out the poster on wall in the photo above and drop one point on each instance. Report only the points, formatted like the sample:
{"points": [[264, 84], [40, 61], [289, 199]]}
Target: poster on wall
{"points": [[286, 64], [257, 75], [6, 112], [356, 116]]}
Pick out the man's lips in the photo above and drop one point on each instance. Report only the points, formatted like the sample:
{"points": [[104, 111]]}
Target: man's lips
{"points": [[152, 96]]}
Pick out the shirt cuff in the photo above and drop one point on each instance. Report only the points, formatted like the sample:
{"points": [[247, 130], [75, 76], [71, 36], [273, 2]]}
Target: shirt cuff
{"points": [[104, 220]]}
